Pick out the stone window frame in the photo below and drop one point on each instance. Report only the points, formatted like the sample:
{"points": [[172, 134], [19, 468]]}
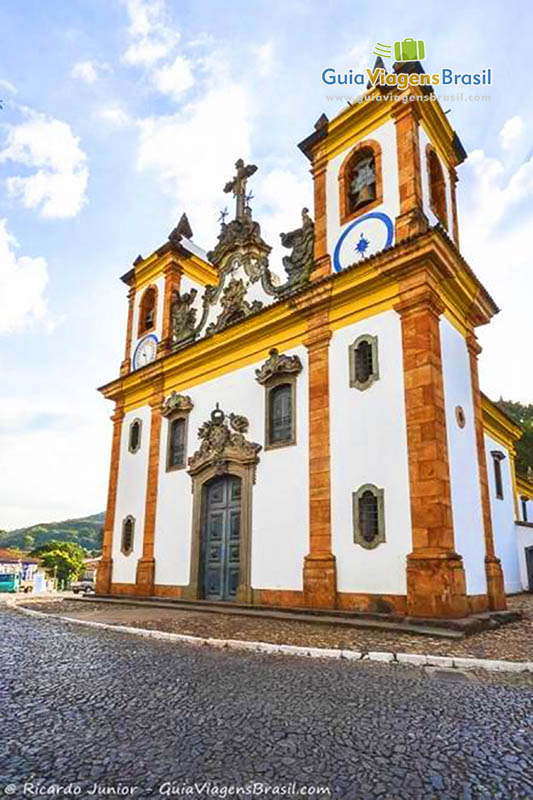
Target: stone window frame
{"points": [[184, 415], [273, 383], [123, 549], [177, 406], [358, 538], [131, 448], [523, 502], [355, 154], [374, 376], [497, 458], [432, 158], [141, 328]]}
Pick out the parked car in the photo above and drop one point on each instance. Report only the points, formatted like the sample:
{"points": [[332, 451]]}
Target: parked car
{"points": [[82, 587]]}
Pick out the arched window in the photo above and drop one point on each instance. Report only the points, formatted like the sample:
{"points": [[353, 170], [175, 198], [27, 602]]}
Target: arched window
{"points": [[280, 416], [134, 443], [176, 443], [128, 529], [368, 516], [364, 362], [147, 311], [360, 184], [437, 186]]}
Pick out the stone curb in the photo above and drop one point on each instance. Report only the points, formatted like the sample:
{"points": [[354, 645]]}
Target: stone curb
{"points": [[412, 659]]}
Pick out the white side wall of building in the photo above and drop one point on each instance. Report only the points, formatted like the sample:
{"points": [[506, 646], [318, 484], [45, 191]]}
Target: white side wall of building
{"points": [[131, 495], [503, 517], [386, 136], [280, 505], [369, 445], [467, 509], [524, 539]]}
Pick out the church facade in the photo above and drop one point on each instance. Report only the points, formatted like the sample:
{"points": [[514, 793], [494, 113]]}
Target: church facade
{"points": [[318, 441]]}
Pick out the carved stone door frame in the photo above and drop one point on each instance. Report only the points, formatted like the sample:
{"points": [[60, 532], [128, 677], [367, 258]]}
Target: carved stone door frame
{"points": [[223, 451], [200, 482]]}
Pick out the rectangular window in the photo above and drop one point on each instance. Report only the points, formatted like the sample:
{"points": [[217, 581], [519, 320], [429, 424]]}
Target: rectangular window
{"points": [[524, 509], [497, 458], [176, 444]]}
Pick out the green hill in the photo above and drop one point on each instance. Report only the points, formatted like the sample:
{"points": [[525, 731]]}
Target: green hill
{"points": [[86, 531]]}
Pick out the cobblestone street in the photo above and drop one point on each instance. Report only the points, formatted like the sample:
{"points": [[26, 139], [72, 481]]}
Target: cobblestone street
{"points": [[95, 707]]}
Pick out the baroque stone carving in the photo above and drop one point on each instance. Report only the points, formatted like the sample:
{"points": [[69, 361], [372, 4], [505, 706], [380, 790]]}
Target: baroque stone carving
{"points": [[302, 240], [277, 364], [220, 445], [177, 402], [235, 306], [182, 316], [299, 263]]}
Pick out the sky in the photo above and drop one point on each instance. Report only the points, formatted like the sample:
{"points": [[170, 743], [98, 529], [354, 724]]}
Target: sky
{"points": [[118, 115]]}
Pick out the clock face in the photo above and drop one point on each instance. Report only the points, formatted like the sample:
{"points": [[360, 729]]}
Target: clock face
{"points": [[145, 352]]}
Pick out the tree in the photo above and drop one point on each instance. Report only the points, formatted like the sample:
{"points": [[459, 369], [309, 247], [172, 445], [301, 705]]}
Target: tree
{"points": [[63, 559], [523, 415]]}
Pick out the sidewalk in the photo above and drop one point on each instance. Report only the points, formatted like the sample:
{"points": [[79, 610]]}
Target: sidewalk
{"points": [[511, 642]]}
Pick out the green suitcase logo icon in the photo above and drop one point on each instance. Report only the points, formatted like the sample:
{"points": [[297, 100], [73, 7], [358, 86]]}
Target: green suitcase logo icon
{"points": [[409, 50]]}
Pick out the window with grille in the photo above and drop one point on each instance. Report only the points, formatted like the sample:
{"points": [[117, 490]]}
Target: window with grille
{"points": [[176, 443], [363, 355], [497, 458], [368, 516], [135, 436], [128, 528], [281, 414]]}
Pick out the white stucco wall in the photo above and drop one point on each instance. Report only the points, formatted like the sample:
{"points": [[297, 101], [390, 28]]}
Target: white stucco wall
{"points": [[369, 445], [503, 517], [467, 509], [386, 136], [524, 538], [432, 217], [131, 495], [280, 526]]}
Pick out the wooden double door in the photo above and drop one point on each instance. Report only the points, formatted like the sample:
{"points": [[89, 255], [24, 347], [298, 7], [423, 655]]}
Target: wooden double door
{"points": [[220, 553]]}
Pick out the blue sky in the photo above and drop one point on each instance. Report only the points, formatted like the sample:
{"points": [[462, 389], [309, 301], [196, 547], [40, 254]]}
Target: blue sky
{"points": [[119, 115]]}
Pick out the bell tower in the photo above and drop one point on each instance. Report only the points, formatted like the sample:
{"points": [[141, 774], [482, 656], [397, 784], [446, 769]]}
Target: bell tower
{"points": [[384, 170]]}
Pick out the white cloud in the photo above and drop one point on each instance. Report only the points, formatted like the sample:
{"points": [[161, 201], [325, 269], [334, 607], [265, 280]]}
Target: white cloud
{"points": [[57, 187], [175, 78], [115, 115], [179, 150], [495, 228], [264, 55], [88, 71], [153, 38], [22, 284], [282, 195], [511, 132], [7, 86]]}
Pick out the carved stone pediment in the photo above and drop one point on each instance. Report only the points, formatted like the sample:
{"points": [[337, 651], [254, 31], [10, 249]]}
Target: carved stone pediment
{"points": [[277, 364], [235, 306], [177, 402], [299, 263], [222, 443]]}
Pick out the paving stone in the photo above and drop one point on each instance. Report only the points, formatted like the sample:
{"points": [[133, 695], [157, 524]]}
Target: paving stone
{"points": [[86, 704]]}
